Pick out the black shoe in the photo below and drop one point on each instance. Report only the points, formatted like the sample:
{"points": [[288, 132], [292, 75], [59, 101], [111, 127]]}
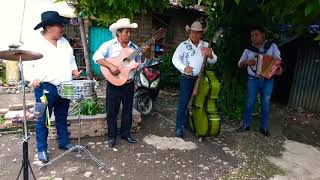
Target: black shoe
{"points": [[243, 129], [129, 139], [180, 136], [111, 142], [265, 132], [43, 156], [66, 147]]}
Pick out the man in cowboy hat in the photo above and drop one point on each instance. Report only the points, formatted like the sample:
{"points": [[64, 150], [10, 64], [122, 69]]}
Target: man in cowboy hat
{"points": [[188, 59], [57, 65], [117, 94]]}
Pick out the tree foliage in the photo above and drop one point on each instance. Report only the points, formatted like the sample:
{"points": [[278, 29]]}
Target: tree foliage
{"points": [[298, 13], [104, 12], [236, 17]]}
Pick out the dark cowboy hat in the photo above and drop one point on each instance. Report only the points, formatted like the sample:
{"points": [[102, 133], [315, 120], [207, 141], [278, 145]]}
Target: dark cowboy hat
{"points": [[50, 18]]}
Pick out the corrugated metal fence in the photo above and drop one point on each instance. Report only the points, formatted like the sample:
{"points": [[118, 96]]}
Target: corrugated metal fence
{"points": [[305, 91]]}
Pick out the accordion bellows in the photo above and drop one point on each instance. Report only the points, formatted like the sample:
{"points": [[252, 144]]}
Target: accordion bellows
{"points": [[267, 65]]}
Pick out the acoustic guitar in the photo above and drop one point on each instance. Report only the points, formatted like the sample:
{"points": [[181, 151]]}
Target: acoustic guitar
{"points": [[126, 61]]}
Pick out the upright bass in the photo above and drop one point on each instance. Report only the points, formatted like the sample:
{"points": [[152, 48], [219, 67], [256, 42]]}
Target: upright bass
{"points": [[204, 118]]}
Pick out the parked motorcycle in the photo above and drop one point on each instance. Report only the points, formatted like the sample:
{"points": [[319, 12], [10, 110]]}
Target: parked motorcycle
{"points": [[147, 80]]}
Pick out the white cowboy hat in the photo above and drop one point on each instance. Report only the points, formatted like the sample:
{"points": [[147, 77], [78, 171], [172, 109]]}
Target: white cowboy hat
{"points": [[196, 26], [122, 23]]}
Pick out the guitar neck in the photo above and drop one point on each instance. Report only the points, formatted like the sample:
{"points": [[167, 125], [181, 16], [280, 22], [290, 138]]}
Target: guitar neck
{"points": [[136, 52]]}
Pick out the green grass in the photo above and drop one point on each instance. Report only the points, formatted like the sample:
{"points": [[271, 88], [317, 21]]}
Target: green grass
{"points": [[2, 120]]}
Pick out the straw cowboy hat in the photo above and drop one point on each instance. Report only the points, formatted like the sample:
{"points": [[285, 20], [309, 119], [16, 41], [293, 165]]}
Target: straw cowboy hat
{"points": [[196, 26], [122, 23], [50, 18]]}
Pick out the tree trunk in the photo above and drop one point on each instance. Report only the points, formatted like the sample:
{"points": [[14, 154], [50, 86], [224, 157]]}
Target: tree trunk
{"points": [[85, 48]]}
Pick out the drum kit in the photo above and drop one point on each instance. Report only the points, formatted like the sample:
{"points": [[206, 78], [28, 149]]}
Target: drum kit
{"points": [[76, 90]]}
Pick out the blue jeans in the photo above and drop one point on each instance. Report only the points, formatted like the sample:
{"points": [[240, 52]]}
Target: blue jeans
{"points": [[255, 86], [186, 88], [60, 107]]}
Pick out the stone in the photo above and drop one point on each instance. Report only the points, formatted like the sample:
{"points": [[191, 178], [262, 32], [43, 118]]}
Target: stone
{"points": [[14, 107], [4, 110], [11, 83], [1, 82], [91, 143], [226, 149], [17, 114], [2, 90], [87, 174], [44, 178], [72, 169]]}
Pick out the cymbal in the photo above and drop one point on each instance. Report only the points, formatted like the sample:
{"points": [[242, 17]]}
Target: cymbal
{"points": [[14, 55]]}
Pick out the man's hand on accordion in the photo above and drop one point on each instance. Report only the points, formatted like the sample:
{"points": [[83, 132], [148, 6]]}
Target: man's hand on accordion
{"points": [[279, 71], [251, 62], [248, 62]]}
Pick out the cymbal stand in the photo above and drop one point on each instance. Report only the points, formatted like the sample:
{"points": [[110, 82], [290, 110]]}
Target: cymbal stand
{"points": [[78, 146], [25, 161]]}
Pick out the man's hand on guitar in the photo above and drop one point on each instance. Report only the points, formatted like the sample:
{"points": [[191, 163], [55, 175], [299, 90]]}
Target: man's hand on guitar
{"points": [[188, 70], [145, 49], [114, 69]]}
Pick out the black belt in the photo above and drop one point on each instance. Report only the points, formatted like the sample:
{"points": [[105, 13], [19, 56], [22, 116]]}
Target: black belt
{"points": [[258, 77], [188, 76]]}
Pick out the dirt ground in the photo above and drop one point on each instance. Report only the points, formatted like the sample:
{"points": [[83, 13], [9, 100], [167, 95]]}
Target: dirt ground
{"points": [[229, 156]]}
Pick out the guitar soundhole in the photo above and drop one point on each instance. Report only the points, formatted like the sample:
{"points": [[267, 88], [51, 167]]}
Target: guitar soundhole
{"points": [[126, 61]]}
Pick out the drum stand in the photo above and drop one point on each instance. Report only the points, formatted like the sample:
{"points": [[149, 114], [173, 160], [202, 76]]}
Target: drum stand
{"points": [[77, 146], [25, 161]]}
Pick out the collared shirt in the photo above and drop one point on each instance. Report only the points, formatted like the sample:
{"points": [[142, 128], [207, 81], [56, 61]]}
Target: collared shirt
{"points": [[248, 54], [112, 48], [55, 66], [187, 54]]}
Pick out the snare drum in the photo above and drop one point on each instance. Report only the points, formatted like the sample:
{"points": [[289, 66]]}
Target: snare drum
{"points": [[76, 89]]}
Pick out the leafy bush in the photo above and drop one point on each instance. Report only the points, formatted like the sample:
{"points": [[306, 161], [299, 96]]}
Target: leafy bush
{"points": [[169, 74], [2, 120], [89, 107]]}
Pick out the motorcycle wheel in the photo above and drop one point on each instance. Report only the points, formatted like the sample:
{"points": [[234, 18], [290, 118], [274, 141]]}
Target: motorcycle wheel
{"points": [[143, 104]]}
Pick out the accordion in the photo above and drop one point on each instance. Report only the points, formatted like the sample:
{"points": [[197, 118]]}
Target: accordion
{"points": [[267, 65]]}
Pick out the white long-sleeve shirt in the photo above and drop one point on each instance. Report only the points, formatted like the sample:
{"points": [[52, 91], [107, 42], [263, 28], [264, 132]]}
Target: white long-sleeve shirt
{"points": [[187, 54], [55, 66], [113, 48]]}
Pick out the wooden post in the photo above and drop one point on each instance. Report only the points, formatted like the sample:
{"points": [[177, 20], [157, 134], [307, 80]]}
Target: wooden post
{"points": [[85, 48]]}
